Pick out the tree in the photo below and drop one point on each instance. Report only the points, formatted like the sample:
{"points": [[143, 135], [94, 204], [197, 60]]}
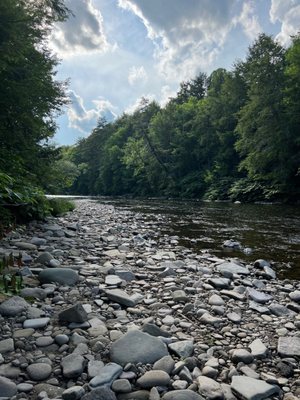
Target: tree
{"points": [[30, 98]]}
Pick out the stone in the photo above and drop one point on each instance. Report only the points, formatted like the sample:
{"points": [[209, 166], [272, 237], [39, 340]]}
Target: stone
{"points": [[182, 349], [232, 268], [36, 293], [25, 246], [44, 341], [38, 241], [259, 308], [234, 317], [72, 365], [121, 297], [102, 393], [252, 389], [62, 276], [179, 296], [73, 393], [258, 349], [269, 273], [154, 378], [13, 306], [94, 367], [242, 355], [51, 390], [24, 387], [44, 258], [166, 364], [121, 386], [209, 388], [23, 333], [36, 323], [73, 314], [209, 319], [113, 280], [261, 263], [220, 283], [6, 346], [154, 330], [7, 387], [125, 275], [39, 371], [279, 310], [106, 375], [182, 395], [259, 297], [216, 300], [135, 347], [295, 296], [62, 339], [289, 346]]}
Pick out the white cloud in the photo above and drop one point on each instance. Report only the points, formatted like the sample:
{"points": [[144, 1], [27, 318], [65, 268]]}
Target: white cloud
{"points": [[82, 32], [137, 74], [134, 106], [249, 20], [288, 13], [188, 35], [85, 120]]}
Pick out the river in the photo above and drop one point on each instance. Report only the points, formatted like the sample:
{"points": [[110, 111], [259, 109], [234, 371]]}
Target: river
{"points": [[271, 231]]}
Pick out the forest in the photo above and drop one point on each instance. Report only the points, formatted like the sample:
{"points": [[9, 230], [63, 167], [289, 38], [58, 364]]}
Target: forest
{"points": [[228, 135]]}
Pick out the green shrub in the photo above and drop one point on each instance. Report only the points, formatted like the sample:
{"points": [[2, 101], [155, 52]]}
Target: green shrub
{"points": [[60, 206]]}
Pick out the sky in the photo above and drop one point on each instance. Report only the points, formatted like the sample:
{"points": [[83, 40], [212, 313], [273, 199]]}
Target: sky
{"points": [[114, 52]]}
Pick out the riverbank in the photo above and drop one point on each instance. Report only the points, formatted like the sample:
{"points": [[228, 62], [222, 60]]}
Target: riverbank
{"points": [[133, 315]]}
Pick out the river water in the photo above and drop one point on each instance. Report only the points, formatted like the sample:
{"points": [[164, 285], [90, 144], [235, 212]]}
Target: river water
{"points": [[271, 231]]}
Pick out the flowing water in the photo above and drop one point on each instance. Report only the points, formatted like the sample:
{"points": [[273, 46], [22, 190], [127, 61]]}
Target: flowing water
{"points": [[271, 231]]}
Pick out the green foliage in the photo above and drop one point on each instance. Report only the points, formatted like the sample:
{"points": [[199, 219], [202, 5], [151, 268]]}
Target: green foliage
{"points": [[59, 206], [11, 280]]}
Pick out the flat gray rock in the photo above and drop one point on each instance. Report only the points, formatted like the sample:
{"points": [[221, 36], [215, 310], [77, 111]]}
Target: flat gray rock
{"points": [[137, 347], [258, 349], [154, 378], [72, 365], [209, 319], [106, 375], [242, 355], [62, 276], [209, 388], [252, 389], [113, 280], [121, 297], [164, 364], [37, 293], [25, 246], [44, 258], [6, 346], [73, 393], [232, 268], [154, 330], [279, 310], [220, 283], [73, 314], [258, 308], [216, 300], [259, 297], [182, 395], [182, 349], [36, 323], [289, 346], [13, 306]]}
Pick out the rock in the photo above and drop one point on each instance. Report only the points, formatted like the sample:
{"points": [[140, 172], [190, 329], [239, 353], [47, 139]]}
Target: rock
{"points": [[72, 365], [24, 387], [216, 300], [36, 323], [135, 347], [121, 297], [73, 393], [232, 268], [154, 378], [23, 333], [94, 367], [44, 341], [38, 241], [25, 246], [234, 317], [269, 273], [51, 390], [289, 346], [62, 339], [154, 330], [136, 395], [295, 296], [179, 296], [7, 387], [182, 395], [182, 349], [261, 263], [39, 371], [252, 389], [220, 283], [13, 306], [125, 275], [209, 388], [285, 369], [279, 310], [242, 355], [73, 314], [36, 293], [164, 364], [44, 258], [62, 276], [6, 346], [113, 280], [121, 386], [232, 244], [257, 307], [106, 375], [258, 349], [102, 393], [259, 297], [209, 319]]}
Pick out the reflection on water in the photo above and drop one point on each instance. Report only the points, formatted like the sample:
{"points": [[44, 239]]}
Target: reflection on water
{"points": [[272, 231]]}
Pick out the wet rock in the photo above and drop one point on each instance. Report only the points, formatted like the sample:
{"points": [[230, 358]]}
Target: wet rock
{"points": [[135, 347]]}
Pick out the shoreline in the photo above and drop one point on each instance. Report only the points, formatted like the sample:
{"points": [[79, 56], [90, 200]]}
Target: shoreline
{"points": [[217, 328]]}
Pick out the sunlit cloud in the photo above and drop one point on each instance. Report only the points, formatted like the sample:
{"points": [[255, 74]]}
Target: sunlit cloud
{"points": [[288, 13], [136, 75]]}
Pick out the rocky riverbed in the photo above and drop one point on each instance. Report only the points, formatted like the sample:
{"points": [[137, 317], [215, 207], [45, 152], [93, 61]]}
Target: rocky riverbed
{"points": [[112, 309]]}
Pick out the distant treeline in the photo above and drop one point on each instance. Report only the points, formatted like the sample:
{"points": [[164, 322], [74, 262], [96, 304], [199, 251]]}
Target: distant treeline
{"points": [[231, 135]]}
